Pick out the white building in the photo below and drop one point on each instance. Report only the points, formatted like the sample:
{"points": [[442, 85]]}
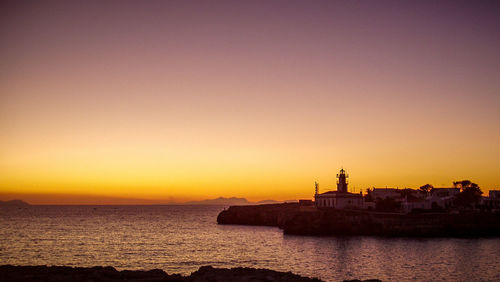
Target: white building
{"points": [[494, 194], [341, 198], [382, 193], [440, 198], [493, 201]]}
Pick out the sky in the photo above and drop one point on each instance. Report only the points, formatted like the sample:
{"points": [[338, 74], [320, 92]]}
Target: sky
{"points": [[170, 101]]}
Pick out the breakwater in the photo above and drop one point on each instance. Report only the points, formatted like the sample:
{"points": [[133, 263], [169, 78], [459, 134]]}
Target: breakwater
{"points": [[294, 220]]}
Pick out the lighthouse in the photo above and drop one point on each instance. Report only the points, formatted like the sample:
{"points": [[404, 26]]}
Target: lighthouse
{"points": [[342, 182], [340, 199]]}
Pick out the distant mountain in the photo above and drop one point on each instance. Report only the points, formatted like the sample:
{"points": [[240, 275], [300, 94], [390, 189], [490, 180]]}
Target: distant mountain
{"points": [[233, 201], [268, 202], [17, 203], [221, 201]]}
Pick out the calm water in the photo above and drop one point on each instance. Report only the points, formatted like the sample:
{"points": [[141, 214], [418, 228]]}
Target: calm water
{"points": [[180, 239]]}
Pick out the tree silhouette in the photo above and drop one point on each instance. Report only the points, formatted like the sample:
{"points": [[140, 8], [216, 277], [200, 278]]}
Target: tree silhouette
{"points": [[470, 193], [426, 188], [369, 196], [464, 184]]}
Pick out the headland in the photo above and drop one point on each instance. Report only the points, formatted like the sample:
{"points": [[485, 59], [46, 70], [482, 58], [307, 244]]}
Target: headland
{"points": [[458, 211], [308, 220]]}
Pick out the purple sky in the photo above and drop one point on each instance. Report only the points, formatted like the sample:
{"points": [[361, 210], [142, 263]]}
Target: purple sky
{"points": [[191, 99]]}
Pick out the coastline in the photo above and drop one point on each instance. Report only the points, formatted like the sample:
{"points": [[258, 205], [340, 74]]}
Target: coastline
{"points": [[108, 273], [294, 219]]}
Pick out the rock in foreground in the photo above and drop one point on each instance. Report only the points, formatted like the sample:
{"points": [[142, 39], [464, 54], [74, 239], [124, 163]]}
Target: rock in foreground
{"points": [[208, 273], [108, 274]]}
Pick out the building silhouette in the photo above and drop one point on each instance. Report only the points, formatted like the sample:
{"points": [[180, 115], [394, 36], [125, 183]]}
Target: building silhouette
{"points": [[341, 198]]}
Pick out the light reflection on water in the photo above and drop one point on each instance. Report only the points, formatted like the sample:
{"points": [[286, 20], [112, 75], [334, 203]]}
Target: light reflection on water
{"points": [[180, 239]]}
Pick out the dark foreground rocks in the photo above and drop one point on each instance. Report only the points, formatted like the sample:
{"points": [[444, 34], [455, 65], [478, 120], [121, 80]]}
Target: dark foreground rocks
{"points": [[99, 273], [208, 273]]}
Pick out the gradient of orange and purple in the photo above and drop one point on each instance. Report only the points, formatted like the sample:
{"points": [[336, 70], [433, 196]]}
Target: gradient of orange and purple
{"points": [[181, 100]]}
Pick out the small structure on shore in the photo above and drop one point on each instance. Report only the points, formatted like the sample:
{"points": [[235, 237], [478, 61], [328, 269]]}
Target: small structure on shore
{"points": [[339, 199]]}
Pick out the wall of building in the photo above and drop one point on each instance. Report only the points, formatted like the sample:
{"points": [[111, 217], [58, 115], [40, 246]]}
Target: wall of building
{"points": [[339, 202], [385, 193]]}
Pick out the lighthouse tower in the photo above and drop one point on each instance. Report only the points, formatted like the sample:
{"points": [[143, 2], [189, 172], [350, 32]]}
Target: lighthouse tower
{"points": [[342, 182]]}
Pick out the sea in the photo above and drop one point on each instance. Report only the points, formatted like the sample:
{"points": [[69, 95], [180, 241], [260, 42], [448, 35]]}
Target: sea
{"points": [[180, 239]]}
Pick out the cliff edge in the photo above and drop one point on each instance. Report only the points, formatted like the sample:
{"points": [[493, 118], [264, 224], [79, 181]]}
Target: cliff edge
{"points": [[265, 215]]}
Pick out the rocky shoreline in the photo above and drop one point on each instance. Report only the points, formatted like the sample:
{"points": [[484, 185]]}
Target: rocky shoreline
{"points": [[263, 215], [310, 221], [99, 273], [110, 274]]}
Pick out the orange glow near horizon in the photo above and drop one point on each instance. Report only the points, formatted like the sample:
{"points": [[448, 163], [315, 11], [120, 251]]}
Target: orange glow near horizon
{"points": [[176, 101]]}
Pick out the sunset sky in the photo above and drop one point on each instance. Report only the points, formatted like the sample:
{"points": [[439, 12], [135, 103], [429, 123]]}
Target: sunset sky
{"points": [[169, 101]]}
